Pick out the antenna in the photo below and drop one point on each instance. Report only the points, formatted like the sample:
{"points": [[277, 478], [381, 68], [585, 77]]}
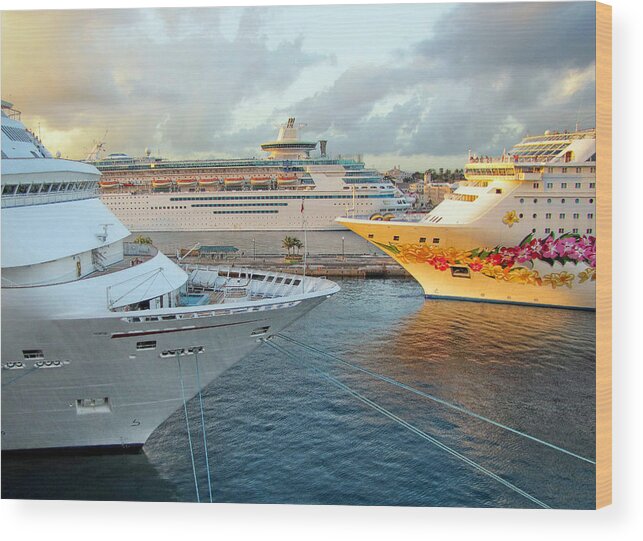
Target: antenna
{"points": [[99, 146]]}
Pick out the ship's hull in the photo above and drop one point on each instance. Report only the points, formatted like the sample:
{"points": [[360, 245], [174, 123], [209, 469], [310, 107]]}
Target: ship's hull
{"points": [[259, 210], [466, 264], [134, 390]]}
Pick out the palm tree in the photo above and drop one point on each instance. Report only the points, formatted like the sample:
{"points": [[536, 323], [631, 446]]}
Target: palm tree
{"points": [[143, 240], [297, 244], [288, 244]]}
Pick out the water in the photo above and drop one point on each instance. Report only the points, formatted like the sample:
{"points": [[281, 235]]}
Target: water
{"points": [[279, 433]]}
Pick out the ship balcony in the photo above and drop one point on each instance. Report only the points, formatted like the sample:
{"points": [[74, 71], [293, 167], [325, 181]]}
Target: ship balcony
{"points": [[529, 176]]}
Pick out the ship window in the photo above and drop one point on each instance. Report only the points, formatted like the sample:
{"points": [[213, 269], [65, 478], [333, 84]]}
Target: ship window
{"points": [[460, 272], [589, 231], [498, 190], [29, 354], [520, 215], [577, 185], [396, 237], [149, 344], [534, 215], [575, 230], [562, 201], [591, 200], [533, 230], [23, 188], [576, 201], [522, 200], [563, 185], [590, 216], [578, 171], [547, 230], [9, 189], [436, 240], [535, 200], [592, 185], [536, 185], [93, 405], [548, 200], [422, 239], [370, 235], [259, 331], [562, 216], [561, 230]]}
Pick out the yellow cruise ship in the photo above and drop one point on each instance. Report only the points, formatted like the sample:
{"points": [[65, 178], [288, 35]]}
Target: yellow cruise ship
{"points": [[521, 228]]}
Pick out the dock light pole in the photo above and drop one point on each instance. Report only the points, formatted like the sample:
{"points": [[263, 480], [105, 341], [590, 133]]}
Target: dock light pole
{"points": [[254, 250], [343, 255]]}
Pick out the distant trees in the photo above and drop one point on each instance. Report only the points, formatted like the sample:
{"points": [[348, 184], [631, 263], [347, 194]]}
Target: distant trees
{"points": [[291, 244], [142, 240]]}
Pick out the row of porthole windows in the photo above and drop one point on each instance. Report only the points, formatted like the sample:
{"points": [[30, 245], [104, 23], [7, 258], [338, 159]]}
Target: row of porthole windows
{"points": [[562, 216], [421, 240], [549, 201], [562, 230], [563, 185]]}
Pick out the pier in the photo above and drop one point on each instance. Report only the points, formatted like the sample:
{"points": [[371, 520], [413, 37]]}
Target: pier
{"points": [[320, 265]]}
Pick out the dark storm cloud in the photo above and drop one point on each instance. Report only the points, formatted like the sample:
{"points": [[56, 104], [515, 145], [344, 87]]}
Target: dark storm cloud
{"points": [[488, 74]]}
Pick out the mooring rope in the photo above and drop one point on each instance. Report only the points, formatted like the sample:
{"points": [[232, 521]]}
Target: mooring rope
{"points": [[187, 423], [205, 440], [7, 383], [414, 429], [441, 401]]}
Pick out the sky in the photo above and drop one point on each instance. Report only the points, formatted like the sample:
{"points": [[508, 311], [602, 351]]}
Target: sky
{"points": [[414, 85]]}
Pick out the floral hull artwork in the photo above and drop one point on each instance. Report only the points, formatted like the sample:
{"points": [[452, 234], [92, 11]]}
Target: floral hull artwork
{"points": [[512, 264]]}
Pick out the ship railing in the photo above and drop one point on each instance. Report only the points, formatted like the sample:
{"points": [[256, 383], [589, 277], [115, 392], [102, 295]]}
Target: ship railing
{"points": [[25, 200]]}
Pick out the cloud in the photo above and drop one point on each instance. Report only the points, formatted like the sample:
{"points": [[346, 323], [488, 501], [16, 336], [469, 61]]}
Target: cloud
{"points": [[488, 74], [133, 71], [192, 84]]}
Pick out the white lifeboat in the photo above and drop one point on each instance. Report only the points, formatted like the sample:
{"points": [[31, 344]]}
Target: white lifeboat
{"points": [[261, 181], [208, 181], [286, 180], [158, 183], [186, 182], [107, 184], [231, 182]]}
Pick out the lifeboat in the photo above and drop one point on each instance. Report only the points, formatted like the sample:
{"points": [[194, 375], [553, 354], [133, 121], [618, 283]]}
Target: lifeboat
{"points": [[234, 181], [286, 180], [157, 183], [186, 182], [106, 184], [388, 217], [261, 181], [208, 181], [376, 217]]}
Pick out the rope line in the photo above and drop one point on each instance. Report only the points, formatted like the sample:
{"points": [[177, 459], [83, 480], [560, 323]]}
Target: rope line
{"points": [[187, 423], [7, 383], [455, 407], [415, 430], [205, 440]]}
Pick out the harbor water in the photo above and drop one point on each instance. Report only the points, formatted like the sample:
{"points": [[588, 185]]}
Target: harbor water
{"points": [[279, 432]]}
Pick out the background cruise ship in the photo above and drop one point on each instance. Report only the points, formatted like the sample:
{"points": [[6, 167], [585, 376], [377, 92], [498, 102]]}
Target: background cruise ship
{"points": [[100, 335], [520, 229], [278, 192]]}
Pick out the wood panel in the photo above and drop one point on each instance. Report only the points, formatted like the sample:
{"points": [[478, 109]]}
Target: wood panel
{"points": [[604, 255]]}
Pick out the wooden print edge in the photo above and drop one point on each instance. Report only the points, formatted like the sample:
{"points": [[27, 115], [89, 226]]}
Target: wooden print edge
{"points": [[604, 250]]}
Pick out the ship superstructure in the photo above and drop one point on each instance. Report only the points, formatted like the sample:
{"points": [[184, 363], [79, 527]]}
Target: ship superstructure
{"points": [[520, 229], [99, 334], [152, 194]]}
